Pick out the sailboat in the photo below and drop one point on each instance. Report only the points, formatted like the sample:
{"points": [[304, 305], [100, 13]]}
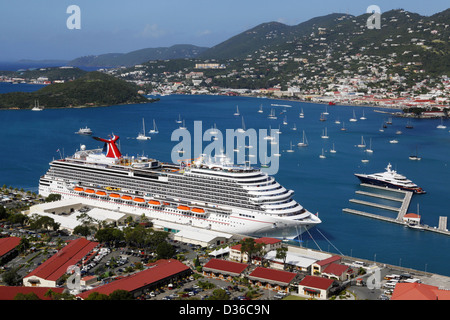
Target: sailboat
{"points": [[294, 127], [141, 135], [363, 117], [179, 119], [343, 127], [409, 125], [304, 142], [324, 134], [237, 113], [322, 156], [37, 107], [337, 121], [333, 150], [290, 150], [415, 156], [285, 120], [242, 130], [441, 126], [369, 150], [354, 117], [272, 114], [213, 129], [155, 128], [301, 115], [323, 117], [362, 144], [326, 111], [183, 126], [260, 109], [265, 165]]}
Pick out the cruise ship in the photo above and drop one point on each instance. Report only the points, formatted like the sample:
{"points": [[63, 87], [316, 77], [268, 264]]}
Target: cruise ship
{"points": [[391, 179], [209, 193]]}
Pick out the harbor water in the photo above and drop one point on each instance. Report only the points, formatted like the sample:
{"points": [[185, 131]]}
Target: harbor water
{"points": [[30, 140]]}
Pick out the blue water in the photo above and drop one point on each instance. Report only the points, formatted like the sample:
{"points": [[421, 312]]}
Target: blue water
{"points": [[30, 140]]}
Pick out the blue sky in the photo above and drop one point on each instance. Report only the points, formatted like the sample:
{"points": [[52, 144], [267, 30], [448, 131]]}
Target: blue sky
{"points": [[36, 29]]}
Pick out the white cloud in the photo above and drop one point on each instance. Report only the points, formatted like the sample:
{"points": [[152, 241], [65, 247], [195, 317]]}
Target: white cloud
{"points": [[152, 31]]}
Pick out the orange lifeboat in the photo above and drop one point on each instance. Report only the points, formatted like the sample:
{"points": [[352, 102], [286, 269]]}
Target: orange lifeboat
{"points": [[89, 191], [154, 202], [114, 195], [126, 198], [198, 210], [78, 189], [101, 193], [185, 208], [138, 200]]}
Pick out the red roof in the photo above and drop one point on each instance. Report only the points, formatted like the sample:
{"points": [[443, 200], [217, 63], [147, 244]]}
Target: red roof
{"points": [[418, 291], [7, 244], [8, 293], [226, 266], [316, 282], [163, 269], [56, 266], [335, 269], [328, 260], [279, 276]]}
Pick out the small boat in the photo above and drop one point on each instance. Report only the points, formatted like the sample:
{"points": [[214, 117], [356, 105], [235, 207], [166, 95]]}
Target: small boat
{"points": [[36, 106], [337, 121], [285, 120], [353, 119], [304, 142], [141, 135], [290, 150], [322, 156], [242, 130], [333, 150], [272, 115], [294, 127], [331, 103], [85, 131], [183, 126], [343, 127], [441, 126], [155, 128], [326, 111], [324, 134], [260, 109], [237, 113], [363, 117], [364, 160], [301, 115], [362, 144], [389, 121], [393, 141], [409, 125], [369, 150], [398, 132], [323, 117], [179, 119], [415, 156]]}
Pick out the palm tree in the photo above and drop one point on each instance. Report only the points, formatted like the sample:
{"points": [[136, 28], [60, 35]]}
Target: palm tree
{"points": [[282, 254]]}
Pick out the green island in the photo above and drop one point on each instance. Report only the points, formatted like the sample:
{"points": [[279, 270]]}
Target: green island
{"points": [[90, 90]]}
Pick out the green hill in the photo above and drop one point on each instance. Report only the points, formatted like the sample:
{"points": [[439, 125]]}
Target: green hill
{"points": [[179, 51], [92, 89]]}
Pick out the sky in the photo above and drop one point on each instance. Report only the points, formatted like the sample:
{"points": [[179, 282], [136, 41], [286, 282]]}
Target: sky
{"points": [[37, 29]]}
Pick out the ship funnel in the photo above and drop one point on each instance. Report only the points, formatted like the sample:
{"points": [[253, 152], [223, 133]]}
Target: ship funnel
{"points": [[111, 149]]}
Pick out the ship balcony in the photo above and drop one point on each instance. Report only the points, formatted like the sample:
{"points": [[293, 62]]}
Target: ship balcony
{"points": [[259, 187], [268, 192], [274, 197], [281, 205]]}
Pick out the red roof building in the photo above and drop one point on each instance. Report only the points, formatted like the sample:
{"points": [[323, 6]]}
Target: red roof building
{"points": [[315, 287], [161, 273], [9, 293], [7, 246], [319, 266], [48, 273], [336, 271], [418, 291], [271, 278], [269, 245], [223, 269]]}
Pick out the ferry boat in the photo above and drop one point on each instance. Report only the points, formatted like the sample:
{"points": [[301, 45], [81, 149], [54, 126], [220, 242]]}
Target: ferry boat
{"points": [[84, 131], [390, 179], [209, 193]]}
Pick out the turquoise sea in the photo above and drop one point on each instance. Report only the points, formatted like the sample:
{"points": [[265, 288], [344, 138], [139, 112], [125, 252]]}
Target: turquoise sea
{"points": [[30, 140]]}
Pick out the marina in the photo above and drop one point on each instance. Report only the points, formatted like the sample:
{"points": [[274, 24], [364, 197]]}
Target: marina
{"points": [[323, 186]]}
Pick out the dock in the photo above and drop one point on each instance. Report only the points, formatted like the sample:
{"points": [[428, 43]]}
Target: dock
{"points": [[401, 211]]}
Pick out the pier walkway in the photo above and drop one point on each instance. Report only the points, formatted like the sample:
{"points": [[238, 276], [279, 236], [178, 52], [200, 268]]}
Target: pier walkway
{"points": [[401, 211]]}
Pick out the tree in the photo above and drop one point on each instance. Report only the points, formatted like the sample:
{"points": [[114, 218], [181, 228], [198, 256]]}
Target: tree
{"points": [[219, 294], [165, 250], [26, 296], [3, 213], [97, 296], [53, 197], [250, 247], [121, 295], [282, 254]]}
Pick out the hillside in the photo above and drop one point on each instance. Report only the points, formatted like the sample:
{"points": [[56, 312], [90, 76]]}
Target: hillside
{"points": [[180, 51], [408, 36], [92, 89]]}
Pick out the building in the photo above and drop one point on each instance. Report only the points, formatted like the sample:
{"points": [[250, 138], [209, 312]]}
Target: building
{"points": [[319, 266], [418, 291], [297, 261], [9, 293], [50, 273], [160, 273], [223, 269], [8, 248], [315, 287], [337, 271], [269, 245], [272, 279], [412, 219]]}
